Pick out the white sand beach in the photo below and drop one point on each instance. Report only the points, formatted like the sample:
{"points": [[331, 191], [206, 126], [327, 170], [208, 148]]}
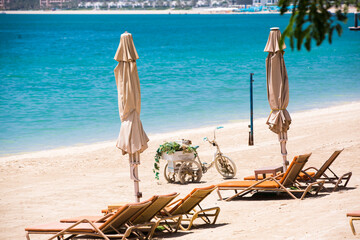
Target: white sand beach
{"points": [[46, 186]]}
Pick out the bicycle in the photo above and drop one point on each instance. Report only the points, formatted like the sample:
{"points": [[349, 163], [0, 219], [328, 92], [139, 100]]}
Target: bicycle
{"points": [[191, 170], [224, 165]]}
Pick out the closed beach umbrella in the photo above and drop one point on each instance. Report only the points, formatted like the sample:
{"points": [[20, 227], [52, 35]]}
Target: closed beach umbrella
{"points": [[277, 90], [132, 138]]}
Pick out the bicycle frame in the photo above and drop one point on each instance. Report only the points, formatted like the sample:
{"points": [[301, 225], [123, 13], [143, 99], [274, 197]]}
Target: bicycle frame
{"points": [[216, 153]]}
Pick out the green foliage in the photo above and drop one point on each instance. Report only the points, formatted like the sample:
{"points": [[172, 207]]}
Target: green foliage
{"points": [[170, 148], [311, 20]]}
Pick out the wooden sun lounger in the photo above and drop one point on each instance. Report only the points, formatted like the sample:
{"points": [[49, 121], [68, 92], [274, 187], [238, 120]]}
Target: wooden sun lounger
{"points": [[285, 182], [116, 226], [353, 216], [187, 208], [320, 174], [149, 214], [306, 176], [302, 176], [152, 213]]}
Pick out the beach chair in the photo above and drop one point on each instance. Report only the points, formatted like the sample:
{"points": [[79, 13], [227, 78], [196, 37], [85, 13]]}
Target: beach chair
{"points": [[158, 202], [116, 226], [152, 214], [320, 174], [353, 216], [189, 207], [285, 182]]}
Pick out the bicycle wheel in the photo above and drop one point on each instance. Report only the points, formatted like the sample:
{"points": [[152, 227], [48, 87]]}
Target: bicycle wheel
{"points": [[225, 166], [170, 176], [190, 171]]}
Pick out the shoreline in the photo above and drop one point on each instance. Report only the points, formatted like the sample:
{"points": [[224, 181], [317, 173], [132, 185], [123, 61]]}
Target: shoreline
{"points": [[81, 148]]}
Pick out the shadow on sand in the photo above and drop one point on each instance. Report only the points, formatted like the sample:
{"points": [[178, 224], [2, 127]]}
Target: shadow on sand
{"points": [[179, 234], [265, 196], [270, 196]]}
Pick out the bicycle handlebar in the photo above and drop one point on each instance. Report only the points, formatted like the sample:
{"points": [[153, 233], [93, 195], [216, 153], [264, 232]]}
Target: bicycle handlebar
{"points": [[206, 138]]}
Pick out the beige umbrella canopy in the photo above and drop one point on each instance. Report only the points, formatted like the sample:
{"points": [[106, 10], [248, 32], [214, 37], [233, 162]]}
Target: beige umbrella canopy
{"points": [[278, 90], [132, 138]]}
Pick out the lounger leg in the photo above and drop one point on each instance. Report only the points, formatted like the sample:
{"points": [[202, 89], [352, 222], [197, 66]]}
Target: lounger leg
{"points": [[127, 233], [308, 188], [292, 195], [348, 178], [152, 230], [216, 215], [284, 188], [190, 222], [196, 215], [352, 226], [176, 219], [321, 186], [348, 175], [178, 223], [337, 184], [27, 236], [218, 192]]}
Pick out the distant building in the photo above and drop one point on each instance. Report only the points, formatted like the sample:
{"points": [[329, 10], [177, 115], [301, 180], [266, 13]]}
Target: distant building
{"points": [[3, 4], [243, 2], [265, 2], [238, 3], [52, 3]]}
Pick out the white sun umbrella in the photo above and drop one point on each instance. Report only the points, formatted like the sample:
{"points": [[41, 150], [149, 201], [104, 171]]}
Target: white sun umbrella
{"points": [[277, 90], [132, 138]]}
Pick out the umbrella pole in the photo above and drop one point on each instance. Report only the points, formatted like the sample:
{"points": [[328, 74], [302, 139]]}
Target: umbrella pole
{"points": [[282, 139], [284, 155], [134, 160]]}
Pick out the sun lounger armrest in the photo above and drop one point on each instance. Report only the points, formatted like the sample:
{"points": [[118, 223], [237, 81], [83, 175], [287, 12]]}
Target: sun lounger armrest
{"points": [[105, 217], [94, 227], [277, 177], [310, 168], [268, 179], [332, 172], [168, 217], [273, 178], [179, 200], [308, 175], [131, 229]]}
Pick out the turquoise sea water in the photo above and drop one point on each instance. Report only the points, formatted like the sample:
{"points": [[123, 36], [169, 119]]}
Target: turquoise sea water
{"points": [[58, 88]]}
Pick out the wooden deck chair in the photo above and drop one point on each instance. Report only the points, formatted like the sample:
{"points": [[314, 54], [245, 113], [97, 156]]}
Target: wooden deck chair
{"points": [[152, 214], [117, 226], [287, 182], [353, 216], [301, 177], [320, 174], [187, 208], [307, 176], [158, 202]]}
